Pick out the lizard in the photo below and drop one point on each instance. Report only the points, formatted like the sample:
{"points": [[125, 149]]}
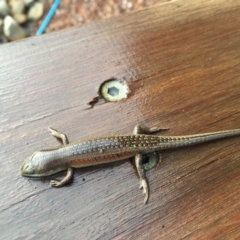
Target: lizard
{"points": [[107, 149]]}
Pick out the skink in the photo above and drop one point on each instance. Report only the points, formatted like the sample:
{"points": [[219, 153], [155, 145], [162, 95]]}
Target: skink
{"points": [[106, 149]]}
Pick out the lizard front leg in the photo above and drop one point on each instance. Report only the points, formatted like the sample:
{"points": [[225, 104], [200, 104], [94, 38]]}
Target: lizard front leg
{"points": [[59, 135], [69, 175]]}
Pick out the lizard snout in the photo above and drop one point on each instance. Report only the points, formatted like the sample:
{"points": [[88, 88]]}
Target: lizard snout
{"points": [[27, 168]]}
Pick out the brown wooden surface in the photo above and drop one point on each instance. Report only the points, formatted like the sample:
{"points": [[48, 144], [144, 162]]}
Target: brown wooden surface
{"points": [[182, 63]]}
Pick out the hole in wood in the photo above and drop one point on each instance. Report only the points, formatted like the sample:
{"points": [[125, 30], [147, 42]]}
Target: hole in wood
{"points": [[114, 90]]}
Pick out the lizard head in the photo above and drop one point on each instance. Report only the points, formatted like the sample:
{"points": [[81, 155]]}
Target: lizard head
{"points": [[38, 165]]}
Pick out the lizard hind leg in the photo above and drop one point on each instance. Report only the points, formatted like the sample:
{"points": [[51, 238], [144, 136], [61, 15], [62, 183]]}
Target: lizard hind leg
{"points": [[143, 179], [69, 175], [142, 129]]}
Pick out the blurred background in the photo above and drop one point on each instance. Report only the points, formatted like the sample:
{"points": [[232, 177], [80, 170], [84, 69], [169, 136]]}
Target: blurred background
{"points": [[22, 18]]}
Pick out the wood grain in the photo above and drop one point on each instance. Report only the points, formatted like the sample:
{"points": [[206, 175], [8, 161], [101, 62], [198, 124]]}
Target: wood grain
{"points": [[181, 61]]}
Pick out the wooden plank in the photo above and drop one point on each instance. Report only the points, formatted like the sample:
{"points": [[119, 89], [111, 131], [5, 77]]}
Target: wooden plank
{"points": [[181, 62]]}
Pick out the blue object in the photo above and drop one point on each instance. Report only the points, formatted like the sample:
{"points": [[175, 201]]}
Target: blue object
{"points": [[48, 18]]}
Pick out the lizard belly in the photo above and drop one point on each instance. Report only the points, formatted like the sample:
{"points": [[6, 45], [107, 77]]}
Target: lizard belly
{"points": [[96, 160]]}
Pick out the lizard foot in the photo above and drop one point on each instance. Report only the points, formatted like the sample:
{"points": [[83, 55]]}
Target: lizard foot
{"points": [[144, 187], [56, 183], [64, 181]]}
